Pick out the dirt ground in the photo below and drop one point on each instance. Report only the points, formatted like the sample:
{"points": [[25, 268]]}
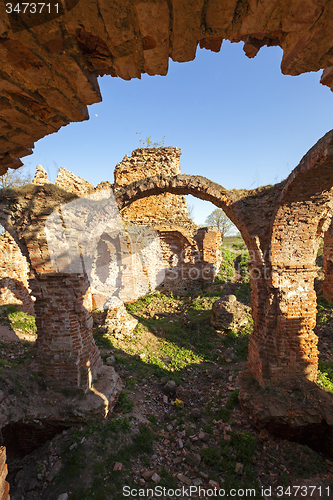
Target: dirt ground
{"points": [[192, 434]]}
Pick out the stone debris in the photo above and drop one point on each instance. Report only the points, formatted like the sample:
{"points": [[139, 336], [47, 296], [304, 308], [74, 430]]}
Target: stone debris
{"points": [[148, 474], [117, 466], [119, 322], [229, 314], [110, 360], [193, 458], [196, 413], [170, 387], [55, 470], [239, 468], [184, 479], [203, 436], [64, 496]]}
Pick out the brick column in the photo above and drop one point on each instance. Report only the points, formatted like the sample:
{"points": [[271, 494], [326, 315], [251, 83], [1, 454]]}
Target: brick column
{"points": [[4, 486], [283, 344], [65, 342], [328, 264]]}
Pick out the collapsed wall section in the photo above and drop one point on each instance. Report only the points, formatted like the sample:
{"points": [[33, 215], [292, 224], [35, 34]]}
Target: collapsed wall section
{"points": [[14, 273], [191, 256]]}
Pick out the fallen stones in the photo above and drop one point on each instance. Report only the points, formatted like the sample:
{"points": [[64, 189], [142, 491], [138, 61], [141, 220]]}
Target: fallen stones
{"points": [[170, 387], [118, 321], [230, 314], [184, 479], [55, 470], [155, 477], [196, 413], [110, 360], [193, 458]]}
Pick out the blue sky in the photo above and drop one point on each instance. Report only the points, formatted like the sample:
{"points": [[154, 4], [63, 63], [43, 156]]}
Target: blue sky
{"points": [[239, 122]]}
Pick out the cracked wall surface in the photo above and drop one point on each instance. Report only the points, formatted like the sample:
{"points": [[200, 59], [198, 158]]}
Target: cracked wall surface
{"points": [[50, 62]]}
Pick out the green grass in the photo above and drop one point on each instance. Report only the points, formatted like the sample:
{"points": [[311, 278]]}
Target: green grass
{"points": [[325, 375], [162, 344], [227, 269], [124, 404], [222, 459], [304, 462], [10, 315], [111, 443]]}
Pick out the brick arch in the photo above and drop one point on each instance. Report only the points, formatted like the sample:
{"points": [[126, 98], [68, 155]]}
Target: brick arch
{"points": [[305, 206], [198, 186]]}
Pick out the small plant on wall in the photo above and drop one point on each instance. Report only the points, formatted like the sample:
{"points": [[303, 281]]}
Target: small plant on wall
{"points": [[148, 143]]}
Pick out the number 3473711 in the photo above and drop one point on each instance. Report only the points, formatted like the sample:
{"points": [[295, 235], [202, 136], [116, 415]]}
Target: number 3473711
{"points": [[32, 8]]}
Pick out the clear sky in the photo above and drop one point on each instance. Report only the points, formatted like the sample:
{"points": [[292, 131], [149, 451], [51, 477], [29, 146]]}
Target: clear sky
{"points": [[238, 121]]}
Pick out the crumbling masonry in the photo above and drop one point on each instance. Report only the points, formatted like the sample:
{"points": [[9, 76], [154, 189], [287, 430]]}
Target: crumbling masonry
{"points": [[281, 225], [51, 62], [50, 66], [63, 300]]}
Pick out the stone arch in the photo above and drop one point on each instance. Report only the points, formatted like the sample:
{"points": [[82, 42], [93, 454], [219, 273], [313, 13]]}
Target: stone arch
{"points": [[243, 211], [305, 205], [198, 186]]}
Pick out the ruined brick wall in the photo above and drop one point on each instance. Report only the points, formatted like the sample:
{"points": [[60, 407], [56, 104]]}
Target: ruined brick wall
{"points": [[64, 344], [147, 162], [191, 256], [281, 225], [328, 264], [73, 183], [40, 176], [65, 350], [50, 64], [4, 486], [14, 273]]}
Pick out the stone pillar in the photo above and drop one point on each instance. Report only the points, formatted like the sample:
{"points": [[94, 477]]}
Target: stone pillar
{"points": [[209, 242], [65, 347], [283, 344], [328, 264], [4, 486]]}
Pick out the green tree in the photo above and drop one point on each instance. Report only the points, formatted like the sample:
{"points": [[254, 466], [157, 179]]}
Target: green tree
{"points": [[219, 220], [15, 178]]}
